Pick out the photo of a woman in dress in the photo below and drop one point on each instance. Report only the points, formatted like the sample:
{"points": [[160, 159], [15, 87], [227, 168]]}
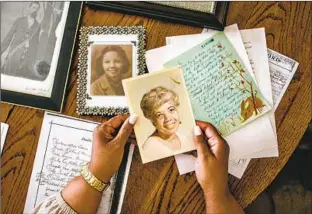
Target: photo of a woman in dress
{"points": [[111, 67], [160, 106]]}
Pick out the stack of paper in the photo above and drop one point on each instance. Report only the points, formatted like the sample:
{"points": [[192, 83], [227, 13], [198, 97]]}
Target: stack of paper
{"points": [[271, 73]]}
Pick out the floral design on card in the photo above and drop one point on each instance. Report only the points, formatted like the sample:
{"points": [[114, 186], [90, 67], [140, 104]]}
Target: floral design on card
{"points": [[221, 89]]}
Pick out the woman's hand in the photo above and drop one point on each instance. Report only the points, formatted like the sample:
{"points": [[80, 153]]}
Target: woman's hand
{"points": [[212, 160], [109, 141], [211, 169]]}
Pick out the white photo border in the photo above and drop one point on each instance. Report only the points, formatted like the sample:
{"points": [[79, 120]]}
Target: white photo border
{"points": [[114, 101], [55, 101], [37, 87], [101, 35]]}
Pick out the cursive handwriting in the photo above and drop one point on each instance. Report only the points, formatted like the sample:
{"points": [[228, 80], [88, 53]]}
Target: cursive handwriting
{"points": [[218, 83], [206, 83], [42, 90], [63, 163]]}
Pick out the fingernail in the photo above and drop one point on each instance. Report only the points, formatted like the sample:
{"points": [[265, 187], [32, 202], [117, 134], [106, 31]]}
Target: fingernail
{"points": [[133, 118], [197, 131]]}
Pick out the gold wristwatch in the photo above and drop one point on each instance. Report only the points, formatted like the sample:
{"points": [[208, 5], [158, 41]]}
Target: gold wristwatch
{"points": [[92, 180]]}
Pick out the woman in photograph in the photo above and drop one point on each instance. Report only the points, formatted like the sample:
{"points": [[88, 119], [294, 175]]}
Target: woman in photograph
{"points": [[160, 106], [111, 65], [20, 45]]}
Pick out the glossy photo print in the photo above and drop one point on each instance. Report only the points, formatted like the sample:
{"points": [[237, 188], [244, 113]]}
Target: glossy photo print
{"points": [[166, 122]]}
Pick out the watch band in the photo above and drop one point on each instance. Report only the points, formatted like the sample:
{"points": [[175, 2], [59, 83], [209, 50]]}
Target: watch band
{"points": [[92, 180]]}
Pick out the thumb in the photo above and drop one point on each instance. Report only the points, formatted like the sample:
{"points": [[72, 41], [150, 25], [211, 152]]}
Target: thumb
{"points": [[125, 130], [202, 148], [217, 144]]}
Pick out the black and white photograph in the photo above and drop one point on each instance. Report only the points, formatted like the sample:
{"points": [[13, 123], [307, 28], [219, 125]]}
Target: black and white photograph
{"points": [[33, 36], [108, 55]]}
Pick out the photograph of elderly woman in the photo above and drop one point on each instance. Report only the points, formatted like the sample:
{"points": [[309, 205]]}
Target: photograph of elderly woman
{"points": [[166, 122], [160, 106], [110, 64]]}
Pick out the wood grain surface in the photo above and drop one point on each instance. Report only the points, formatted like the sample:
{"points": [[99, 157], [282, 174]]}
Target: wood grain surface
{"points": [[156, 187]]}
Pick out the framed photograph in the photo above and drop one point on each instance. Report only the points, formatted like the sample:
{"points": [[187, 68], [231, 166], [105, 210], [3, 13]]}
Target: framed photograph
{"points": [[207, 14], [107, 55], [166, 122], [37, 41]]}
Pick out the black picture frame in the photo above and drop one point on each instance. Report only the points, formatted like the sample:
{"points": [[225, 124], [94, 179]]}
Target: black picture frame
{"points": [[55, 102], [166, 13]]}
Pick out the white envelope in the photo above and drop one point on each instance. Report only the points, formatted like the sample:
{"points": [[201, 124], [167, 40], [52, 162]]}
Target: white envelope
{"points": [[186, 164]]}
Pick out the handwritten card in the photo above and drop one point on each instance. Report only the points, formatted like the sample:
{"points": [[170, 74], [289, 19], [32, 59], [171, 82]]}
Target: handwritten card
{"points": [[266, 144], [220, 89], [64, 146], [255, 143]]}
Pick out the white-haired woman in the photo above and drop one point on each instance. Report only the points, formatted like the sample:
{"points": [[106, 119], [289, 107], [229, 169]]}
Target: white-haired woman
{"points": [[160, 105]]}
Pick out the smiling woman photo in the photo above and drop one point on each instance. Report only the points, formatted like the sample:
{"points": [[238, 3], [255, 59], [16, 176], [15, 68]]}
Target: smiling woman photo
{"points": [[111, 65], [160, 106], [166, 121]]}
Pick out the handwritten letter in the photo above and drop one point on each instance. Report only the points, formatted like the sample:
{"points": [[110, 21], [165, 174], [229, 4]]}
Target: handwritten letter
{"points": [[220, 88], [64, 146]]}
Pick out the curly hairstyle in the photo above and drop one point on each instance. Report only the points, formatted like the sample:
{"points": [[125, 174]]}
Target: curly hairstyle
{"points": [[155, 98], [99, 61]]}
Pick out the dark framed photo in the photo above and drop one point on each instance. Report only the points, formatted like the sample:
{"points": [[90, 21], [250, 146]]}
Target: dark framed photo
{"points": [[206, 14], [37, 42], [107, 55]]}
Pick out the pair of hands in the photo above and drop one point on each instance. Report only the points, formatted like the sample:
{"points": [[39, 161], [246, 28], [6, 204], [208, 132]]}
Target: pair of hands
{"points": [[211, 168]]}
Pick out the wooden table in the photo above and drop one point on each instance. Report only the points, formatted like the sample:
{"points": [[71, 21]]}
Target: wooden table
{"points": [[157, 186]]}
